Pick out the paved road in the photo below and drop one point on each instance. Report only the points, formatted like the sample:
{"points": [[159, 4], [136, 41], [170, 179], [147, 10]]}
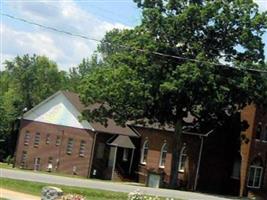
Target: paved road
{"points": [[104, 185], [16, 195]]}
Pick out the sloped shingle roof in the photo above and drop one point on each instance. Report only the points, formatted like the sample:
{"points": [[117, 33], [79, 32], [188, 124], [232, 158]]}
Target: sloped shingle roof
{"points": [[112, 127]]}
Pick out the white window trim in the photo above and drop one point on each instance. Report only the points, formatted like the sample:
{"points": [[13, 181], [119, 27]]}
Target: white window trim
{"points": [[69, 148], [82, 148], [143, 152], [256, 167], [27, 138], [161, 154], [180, 159]]}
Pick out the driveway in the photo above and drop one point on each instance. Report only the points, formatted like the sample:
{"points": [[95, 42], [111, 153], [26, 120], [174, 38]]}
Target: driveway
{"points": [[104, 185], [16, 195]]}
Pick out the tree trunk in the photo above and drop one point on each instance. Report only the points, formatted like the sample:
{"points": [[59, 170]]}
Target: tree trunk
{"points": [[177, 144]]}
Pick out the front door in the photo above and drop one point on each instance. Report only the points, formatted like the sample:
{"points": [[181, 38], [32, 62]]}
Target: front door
{"points": [[37, 162]]}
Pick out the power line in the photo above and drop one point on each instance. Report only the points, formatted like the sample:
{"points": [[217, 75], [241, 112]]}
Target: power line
{"points": [[128, 47], [115, 14]]}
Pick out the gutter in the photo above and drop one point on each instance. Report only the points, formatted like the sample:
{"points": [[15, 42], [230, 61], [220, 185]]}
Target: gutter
{"points": [[200, 156], [92, 154]]}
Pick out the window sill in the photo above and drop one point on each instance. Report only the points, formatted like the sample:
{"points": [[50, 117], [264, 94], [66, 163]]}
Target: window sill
{"points": [[254, 187], [143, 163], [161, 167]]}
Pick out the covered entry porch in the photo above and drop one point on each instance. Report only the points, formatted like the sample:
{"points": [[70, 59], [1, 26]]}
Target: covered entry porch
{"points": [[115, 157], [121, 156]]}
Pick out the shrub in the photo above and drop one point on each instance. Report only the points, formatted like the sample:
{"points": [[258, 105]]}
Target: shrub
{"points": [[138, 195], [72, 197], [9, 159]]}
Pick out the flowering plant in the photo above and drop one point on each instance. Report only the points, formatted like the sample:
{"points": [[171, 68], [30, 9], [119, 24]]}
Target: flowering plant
{"points": [[138, 195], [72, 197]]}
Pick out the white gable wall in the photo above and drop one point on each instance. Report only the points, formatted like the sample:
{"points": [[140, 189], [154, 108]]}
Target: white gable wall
{"points": [[57, 110]]}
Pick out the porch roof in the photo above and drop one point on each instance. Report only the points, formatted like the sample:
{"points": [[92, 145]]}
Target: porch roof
{"points": [[122, 141]]}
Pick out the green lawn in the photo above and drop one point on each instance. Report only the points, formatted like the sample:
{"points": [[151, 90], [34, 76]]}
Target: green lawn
{"points": [[5, 166], [35, 188]]}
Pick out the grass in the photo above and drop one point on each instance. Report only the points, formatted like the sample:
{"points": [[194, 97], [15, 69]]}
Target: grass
{"points": [[5, 166], [35, 188]]}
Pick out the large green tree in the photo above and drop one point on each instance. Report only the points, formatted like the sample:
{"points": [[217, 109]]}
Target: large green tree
{"points": [[35, 78], [24, 82], [186, 56], [76, 74]]}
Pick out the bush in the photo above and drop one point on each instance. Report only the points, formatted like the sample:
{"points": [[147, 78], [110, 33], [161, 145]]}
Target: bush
{"points": [[9, 159], [72, 197], [138, 195]]}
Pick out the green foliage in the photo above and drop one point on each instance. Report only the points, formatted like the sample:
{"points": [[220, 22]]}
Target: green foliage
{"points": [[34, 78], [35, 188], [76, 74], [106, 84], [211, 32], [142, 81], [25, 82]]}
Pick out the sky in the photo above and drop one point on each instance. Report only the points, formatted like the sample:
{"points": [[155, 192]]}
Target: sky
{"points": [[92, 18]]}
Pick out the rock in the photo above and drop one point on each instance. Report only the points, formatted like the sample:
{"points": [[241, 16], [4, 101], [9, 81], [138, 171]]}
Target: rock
{"points": [[51, 193]]}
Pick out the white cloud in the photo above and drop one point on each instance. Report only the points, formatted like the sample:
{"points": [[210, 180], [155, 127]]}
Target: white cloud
{"points": [[262, 4], [66, 50]]}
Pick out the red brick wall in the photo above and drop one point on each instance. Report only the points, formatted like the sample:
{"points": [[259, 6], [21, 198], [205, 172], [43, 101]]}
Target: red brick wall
{"points": [[248, 114], [44, 151], [259, 147], [255, 148], [156, 139]]}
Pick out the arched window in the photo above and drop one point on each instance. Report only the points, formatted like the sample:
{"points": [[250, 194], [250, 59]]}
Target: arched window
{"points": [[163, 155], [255, 173], [144, 152], [182, 160], [258, 131]]}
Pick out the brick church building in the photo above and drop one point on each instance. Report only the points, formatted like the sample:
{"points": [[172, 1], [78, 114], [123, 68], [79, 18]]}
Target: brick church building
{"points": [[53, 138]]}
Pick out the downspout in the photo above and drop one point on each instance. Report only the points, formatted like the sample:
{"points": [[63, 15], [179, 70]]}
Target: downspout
{"points": [[92, 155], [199, 161], [131, 162]]}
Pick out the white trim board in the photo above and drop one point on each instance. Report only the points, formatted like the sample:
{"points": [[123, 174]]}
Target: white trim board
{"points": [[58, 110]]}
